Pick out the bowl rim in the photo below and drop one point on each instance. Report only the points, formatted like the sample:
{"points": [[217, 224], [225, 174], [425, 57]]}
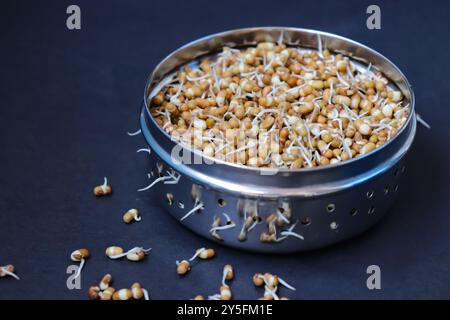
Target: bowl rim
{"points": [[268, 29]]}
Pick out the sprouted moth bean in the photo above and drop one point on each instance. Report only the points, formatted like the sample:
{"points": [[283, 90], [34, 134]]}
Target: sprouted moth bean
{"points": [[225, 292], [105, 282], [228, 273], [183, 267], [137, 292], [8, 270], [131, 215], [79, 255], [113, 251], [136, 255], [258, 279], [103, 189]]}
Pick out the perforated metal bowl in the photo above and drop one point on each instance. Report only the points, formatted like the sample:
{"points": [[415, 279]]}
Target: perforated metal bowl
{"points": [[324, 204]]}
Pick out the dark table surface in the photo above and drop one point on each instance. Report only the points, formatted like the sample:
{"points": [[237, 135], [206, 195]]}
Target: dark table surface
{"points": [[69, 97]]}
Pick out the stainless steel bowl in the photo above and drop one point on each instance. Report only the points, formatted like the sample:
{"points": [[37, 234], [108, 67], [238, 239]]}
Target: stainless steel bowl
{"points": [[327, 204]]}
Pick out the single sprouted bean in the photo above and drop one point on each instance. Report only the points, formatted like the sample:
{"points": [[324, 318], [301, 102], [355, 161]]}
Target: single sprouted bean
{"points": [[132, 134], [93, 293], [131, 215], [183, 267], [137, 255], [169, 197], [79, 255], [228, 273], [103, 189], [138, 292], [258, 279], [8, 270], [105, 282], [225, 292], [113, 251], [245, 226]]}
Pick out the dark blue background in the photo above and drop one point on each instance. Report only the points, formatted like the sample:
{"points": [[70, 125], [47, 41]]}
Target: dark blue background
{"points": [[68, 98]]}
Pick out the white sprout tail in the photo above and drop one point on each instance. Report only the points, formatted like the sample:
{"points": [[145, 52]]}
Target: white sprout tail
{"points": [[132, 134], [422, 122], [148, 150], [105, 183], [146, 295], [197, 254], [287, 285], [199, 206], [79, 269]]}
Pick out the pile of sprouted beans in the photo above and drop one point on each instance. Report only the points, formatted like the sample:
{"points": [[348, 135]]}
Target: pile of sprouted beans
{"points": [[279, 107]]}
